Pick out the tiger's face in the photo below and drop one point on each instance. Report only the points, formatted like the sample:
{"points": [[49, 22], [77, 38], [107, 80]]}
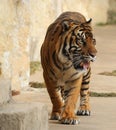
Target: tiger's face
{"points": [[79, 46]]}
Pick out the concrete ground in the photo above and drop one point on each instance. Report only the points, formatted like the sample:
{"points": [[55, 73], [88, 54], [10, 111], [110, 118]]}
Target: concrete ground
{"points": [[103, 112], [103, 115]]}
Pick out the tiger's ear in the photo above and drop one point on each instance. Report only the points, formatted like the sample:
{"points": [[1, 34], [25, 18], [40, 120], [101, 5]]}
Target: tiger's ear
{"points": [[89, 21], [66, 25]]}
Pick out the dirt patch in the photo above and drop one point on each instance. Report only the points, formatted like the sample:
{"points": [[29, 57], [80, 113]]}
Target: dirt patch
{"points": [[37, 85], [95, 94], [34, 66], [113, 73]]}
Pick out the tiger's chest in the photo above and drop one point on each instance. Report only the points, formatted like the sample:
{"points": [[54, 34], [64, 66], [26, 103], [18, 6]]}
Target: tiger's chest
{"points": [[69, 75]]}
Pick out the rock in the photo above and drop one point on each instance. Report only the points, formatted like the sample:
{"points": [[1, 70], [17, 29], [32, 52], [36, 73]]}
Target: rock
{"points": [[23, 116]]}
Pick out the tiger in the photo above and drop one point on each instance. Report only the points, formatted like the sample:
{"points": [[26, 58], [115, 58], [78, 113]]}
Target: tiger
{"points": [[68, 48]]}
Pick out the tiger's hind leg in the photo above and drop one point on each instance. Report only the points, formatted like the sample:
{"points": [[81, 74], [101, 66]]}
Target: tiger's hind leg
{"points": [[84, 109], [55, 98]]}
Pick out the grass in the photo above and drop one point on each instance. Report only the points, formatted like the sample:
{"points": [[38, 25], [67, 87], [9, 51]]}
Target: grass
{"points": [[111, 17], [34, 66], [105, 24], [37, 85], [113, 73], [95, 94], [101, 24]]}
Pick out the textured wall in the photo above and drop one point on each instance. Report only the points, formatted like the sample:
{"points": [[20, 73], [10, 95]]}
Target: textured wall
{"points": [[42, 12], [14, 46], [5, 95], [96, 9], [112, 12], [24, 116]]}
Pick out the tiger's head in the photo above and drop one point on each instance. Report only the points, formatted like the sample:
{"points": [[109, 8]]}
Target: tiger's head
{"points": [[78, 43]]}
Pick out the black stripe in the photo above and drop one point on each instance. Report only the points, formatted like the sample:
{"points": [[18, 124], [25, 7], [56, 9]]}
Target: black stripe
{"points": [[73, 31], [83, 95], [55, 61], [71, 41], [85, 82], [69, 95], [66, 68], [53, 74], [68, 81], [83, 89], [64, 47], [74, 74], [87, 76], [66, 92], [74, 48]]}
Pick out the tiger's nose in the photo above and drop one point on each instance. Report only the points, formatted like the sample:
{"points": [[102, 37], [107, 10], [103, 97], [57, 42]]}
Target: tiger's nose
{"points": [[93, 55]]}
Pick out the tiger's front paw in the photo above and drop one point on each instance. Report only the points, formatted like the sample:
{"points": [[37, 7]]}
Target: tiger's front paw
{"points": [[83, 112], [69, 121], [55, 116]]}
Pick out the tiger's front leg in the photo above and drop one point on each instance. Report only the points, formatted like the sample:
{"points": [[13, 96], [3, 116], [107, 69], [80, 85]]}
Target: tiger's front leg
{"points": [[55, 98], [71, 94], [84, 109]]}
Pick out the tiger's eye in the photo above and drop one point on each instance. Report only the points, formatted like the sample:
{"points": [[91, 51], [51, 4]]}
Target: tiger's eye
{"points": [[82, 42]]}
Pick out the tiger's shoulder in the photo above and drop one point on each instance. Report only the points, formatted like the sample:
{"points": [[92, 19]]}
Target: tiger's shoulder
{"points": [[55, 29]]}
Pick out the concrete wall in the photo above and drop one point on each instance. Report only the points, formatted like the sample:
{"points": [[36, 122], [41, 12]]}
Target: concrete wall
{"points": [[42, 12], [112, 12], [14, 45], [14, 68], [23, 116]]}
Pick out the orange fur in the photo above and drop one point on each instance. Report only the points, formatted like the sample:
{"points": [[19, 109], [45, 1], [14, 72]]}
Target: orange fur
{"points": [[63, 42]]}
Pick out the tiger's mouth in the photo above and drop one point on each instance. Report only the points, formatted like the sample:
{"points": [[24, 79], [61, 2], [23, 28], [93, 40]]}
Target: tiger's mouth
{"points": [[85, 64]]}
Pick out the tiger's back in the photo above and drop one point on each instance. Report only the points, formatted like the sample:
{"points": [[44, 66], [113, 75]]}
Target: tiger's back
{"points": [[66, 65], [51, 43]]}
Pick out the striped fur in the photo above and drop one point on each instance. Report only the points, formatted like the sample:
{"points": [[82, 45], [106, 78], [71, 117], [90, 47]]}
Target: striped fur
{"points": [[66, 53]]}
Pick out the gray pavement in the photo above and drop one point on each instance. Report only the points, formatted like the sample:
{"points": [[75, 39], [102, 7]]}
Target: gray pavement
{"points": [[103, 117], [103, 112]]}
